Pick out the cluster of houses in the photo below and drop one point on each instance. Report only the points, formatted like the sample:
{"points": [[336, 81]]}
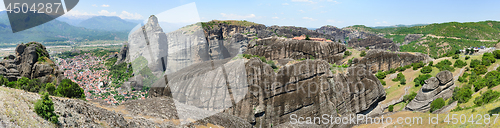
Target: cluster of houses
{"points": [[91, 74]]}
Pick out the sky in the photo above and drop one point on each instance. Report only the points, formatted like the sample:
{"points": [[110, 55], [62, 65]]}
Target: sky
{"points": [[302, 13]]}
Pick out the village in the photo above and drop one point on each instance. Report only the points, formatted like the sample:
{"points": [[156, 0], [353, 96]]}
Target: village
{"points": [[91, 74]]}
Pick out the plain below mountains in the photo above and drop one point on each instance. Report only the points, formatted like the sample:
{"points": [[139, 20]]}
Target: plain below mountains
{"points": [[54, 31]]}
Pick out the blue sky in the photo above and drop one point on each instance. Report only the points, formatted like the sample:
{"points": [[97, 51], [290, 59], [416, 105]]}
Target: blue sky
{"points": [[304, 13]]}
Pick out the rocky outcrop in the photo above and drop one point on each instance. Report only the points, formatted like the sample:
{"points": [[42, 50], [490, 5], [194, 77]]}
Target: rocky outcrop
{"points": [[440, 86], [412, 37], [342, 34], [122, 55], [376, 59], [374, 42], [282, 48], [264, 97], [32, 61]]}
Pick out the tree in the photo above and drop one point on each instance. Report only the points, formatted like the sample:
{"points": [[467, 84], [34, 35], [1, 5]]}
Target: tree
{"points": [[481, 69], [460, 64], [496, 54], [488, 59], [437, 104], [391, 108], [474, 63], [420, 80], [307, 37], [487, 97], [68, 88], [363, 53], [418, 65], [467, 57], [44, 107], [462, 95], [51, 88], [426, 70], [380, 75], [455, 56], [431, 63], [347, 53]]}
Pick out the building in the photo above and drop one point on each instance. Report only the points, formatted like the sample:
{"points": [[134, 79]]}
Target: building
{"points": [[303, 37]]}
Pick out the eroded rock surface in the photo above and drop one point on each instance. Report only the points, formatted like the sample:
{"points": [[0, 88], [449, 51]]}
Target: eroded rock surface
{"points": [[376, 59], [32, 61], [412, 37], [374, 42], [440, 86], [282, 48]]}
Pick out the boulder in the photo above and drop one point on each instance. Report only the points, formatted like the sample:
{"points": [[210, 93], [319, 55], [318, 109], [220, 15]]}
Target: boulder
{"points": [[432, 90], [374, 42], [411, 37]]}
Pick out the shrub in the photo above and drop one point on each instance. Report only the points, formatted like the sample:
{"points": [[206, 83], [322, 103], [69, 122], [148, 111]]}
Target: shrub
{"points": [[418, 65], [474, 63], [455, 56], [445, 65], [462, 79], [462, 95], [496, 54], [347, 53], [480, 69], [383, 82], [44, 107], [362, 54], [391, 108], [420, 79], [401, 78], [68, 88], [409, 97], [487, 97], [431, 63], [488, 59], [307, 37], [460, 64], [380, 75], [467, 57], [426, 70], [271, 63], [51, 88], [3, 80], [437, 104]]}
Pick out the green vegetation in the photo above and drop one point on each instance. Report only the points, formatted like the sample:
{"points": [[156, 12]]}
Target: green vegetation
{"points": [[437, 104], [456, 56], [474, 63], [307, 37], [391, 108], [480, 69], [420, 80], [467, 57], [487, 97], [362, 54], [121, 72], [70, 89], [460, 64], [426, 70], [51, 88], [418, 65], [488, 59], [409, 97], [445, 65], [347, 53], [96, 52], [44, 107], [463, 94], [442, 47], [263, 59], [401, 78], [469, 30], [215, 23], [396, 38]]}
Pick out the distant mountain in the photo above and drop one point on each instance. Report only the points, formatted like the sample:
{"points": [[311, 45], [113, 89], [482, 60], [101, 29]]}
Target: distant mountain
{"points": [[54, 31], [107, 23], [399, 25], [71, 20], [484, 30]]}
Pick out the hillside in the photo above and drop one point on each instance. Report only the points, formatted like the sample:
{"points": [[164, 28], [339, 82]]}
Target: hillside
{"points": [[107, 23], [484, 30], [54, 31]]}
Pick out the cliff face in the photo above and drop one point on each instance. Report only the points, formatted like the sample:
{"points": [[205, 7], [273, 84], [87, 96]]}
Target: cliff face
{"points": [[281, 48], [263, 97], [32, 61], [374, 42], [376, 59], [342, 34]]}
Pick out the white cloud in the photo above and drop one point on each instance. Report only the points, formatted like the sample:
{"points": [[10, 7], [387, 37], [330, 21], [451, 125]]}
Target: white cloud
{"points": [[275, 17], [75, 14], [106, 13], [309, 1], [333, 21], [94, 5], [127, 15], [301, 11], [333, 1], [309, 18], [285, 4], [104, 5], [234, 16]]}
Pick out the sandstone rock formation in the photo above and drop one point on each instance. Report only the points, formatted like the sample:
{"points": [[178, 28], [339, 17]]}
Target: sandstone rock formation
{"points": [[306, 88], [411, 37], [342, 34], [282, 48], [440, 86], [32, 61], [374, 42], [122, 56], [376, 59]]}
